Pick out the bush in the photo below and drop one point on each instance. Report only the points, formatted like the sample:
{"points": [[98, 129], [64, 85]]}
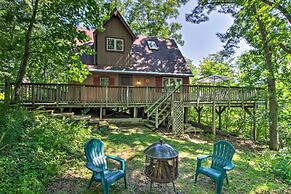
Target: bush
{"points": [[35, 148], [281, 165], [277, 163]]}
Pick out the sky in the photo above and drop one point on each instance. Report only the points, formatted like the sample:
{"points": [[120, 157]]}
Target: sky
{"points": [[200, 39]]}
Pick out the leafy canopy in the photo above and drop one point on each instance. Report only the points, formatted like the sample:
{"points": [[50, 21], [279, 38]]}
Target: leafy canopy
{"points": [[53, 52]]}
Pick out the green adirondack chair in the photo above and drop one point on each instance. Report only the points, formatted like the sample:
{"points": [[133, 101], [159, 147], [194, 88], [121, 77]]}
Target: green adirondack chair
{"points": [[222, 155], [96, 162]]}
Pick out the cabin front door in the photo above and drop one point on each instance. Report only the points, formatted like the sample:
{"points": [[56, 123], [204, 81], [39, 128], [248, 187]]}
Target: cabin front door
{"points": [[125, 93]]}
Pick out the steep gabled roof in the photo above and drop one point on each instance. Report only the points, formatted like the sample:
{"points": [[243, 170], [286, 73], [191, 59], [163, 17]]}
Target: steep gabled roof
{"points": [[167, 60], [116, 13]]}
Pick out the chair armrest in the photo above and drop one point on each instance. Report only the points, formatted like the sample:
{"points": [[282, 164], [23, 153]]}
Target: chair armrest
{"points": [[199, 160], [120, 160], [229, 167], [93, 168], [203, 157]]}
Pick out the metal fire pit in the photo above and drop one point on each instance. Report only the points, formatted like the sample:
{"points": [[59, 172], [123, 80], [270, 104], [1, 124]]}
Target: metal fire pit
{"points": [[161, 163]]}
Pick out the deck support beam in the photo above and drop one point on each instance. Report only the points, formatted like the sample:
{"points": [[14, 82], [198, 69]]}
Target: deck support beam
{"points": [[102, 112], [253, 115], [199, 110], [134, 112], [186, 115], [219, 111], [213, 120]]}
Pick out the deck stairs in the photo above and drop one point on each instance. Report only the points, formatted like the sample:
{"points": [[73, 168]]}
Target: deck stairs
{"points": [[160, 110]]}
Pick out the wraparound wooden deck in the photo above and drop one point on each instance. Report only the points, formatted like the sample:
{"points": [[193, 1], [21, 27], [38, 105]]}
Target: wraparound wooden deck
{"points": [[74, 95]]}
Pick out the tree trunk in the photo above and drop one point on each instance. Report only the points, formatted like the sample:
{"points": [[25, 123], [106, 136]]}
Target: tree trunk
{"points": [[24, 62], [273, 104]]}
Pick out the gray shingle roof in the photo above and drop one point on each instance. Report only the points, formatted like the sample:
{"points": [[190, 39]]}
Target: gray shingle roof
{"points": [[168, 59]]}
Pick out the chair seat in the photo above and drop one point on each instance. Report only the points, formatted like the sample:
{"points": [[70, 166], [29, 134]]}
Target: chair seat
{"points": [[110, 176], [211, 172]]}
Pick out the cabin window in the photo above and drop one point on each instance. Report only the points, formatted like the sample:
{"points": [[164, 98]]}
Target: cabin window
{"points": [[104, 81], [152, 45], [171, 82], [114, 44]]}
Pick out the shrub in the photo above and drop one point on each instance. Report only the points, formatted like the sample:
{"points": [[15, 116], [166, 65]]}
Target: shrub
{"points": [[277, 163], [35, 148]]}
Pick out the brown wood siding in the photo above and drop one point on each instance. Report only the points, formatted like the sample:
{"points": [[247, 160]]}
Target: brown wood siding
{"points": [[186, 80], [113, 29], [95, 79], [158, 81]]}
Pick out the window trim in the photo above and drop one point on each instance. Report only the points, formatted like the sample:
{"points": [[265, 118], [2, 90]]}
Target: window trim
{"points": [[157, 48], [114, 49], [175, 78], [104, 77]]}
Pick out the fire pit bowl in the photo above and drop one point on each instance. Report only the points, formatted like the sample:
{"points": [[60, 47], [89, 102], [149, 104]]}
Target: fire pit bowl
{"points": [[161, 163]]}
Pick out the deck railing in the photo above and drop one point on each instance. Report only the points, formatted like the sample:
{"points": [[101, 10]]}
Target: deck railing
{"points": [[33, 93], [220, 94]]}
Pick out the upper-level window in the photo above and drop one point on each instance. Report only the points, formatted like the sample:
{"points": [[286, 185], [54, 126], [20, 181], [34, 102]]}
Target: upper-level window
{"points": [[114, 44], [104, 81], [152, 45]]}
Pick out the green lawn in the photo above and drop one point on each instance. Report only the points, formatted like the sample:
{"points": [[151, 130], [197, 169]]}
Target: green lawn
{"points": [[43, 154], [249, 176]]}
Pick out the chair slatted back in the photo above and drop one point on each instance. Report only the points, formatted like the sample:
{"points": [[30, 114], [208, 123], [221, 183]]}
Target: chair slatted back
{"points": [[94, 151], [223, 152]]}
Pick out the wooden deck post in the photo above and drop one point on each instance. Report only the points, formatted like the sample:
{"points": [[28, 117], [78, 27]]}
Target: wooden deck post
{"points": [[32, 94], [213, 114], [157, 118], [198, 95], [127, 95], [106, 96], [58, 95], [101, 113], [134, 112], [147, 95], [213, 120], [199, 110], [253, 115], [185, 115], [219, 111], [254, 123]]}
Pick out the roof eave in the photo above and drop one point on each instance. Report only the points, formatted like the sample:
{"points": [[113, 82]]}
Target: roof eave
{"points": [[140, 72]]}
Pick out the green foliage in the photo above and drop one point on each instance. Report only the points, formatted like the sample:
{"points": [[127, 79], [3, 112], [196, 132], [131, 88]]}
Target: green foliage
{"points": [[35, 148], [2, 96], [278, 163], [53, 52], [214, 65], [153, 18], [265, 25]]}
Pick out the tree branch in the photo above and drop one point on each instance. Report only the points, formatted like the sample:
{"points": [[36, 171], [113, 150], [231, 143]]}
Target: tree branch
{"points": [[26, 52], [285, 48], [282, 9]]}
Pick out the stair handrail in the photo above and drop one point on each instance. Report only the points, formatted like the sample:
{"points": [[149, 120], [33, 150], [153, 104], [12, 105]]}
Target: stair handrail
{"points": [[156, 102], [164, 98]]}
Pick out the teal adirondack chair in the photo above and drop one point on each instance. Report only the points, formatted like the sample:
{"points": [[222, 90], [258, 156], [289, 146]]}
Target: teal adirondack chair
{"points": [[222, 155], [96, 162]]}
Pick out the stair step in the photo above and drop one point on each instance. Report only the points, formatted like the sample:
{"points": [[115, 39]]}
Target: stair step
{"points": [[149, 126], [151, 122]]}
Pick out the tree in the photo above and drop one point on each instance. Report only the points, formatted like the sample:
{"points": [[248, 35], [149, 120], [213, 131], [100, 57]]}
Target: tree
{"points": [[40, 36], [151, 17], [265, 26], [214, 65]]}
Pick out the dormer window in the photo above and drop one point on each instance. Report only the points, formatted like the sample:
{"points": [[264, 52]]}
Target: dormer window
{"points": [[114, 44], [152, 45]]}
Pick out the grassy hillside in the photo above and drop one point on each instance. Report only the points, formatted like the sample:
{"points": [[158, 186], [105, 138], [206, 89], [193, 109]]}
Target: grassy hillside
{"points": [[41, 154]]}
